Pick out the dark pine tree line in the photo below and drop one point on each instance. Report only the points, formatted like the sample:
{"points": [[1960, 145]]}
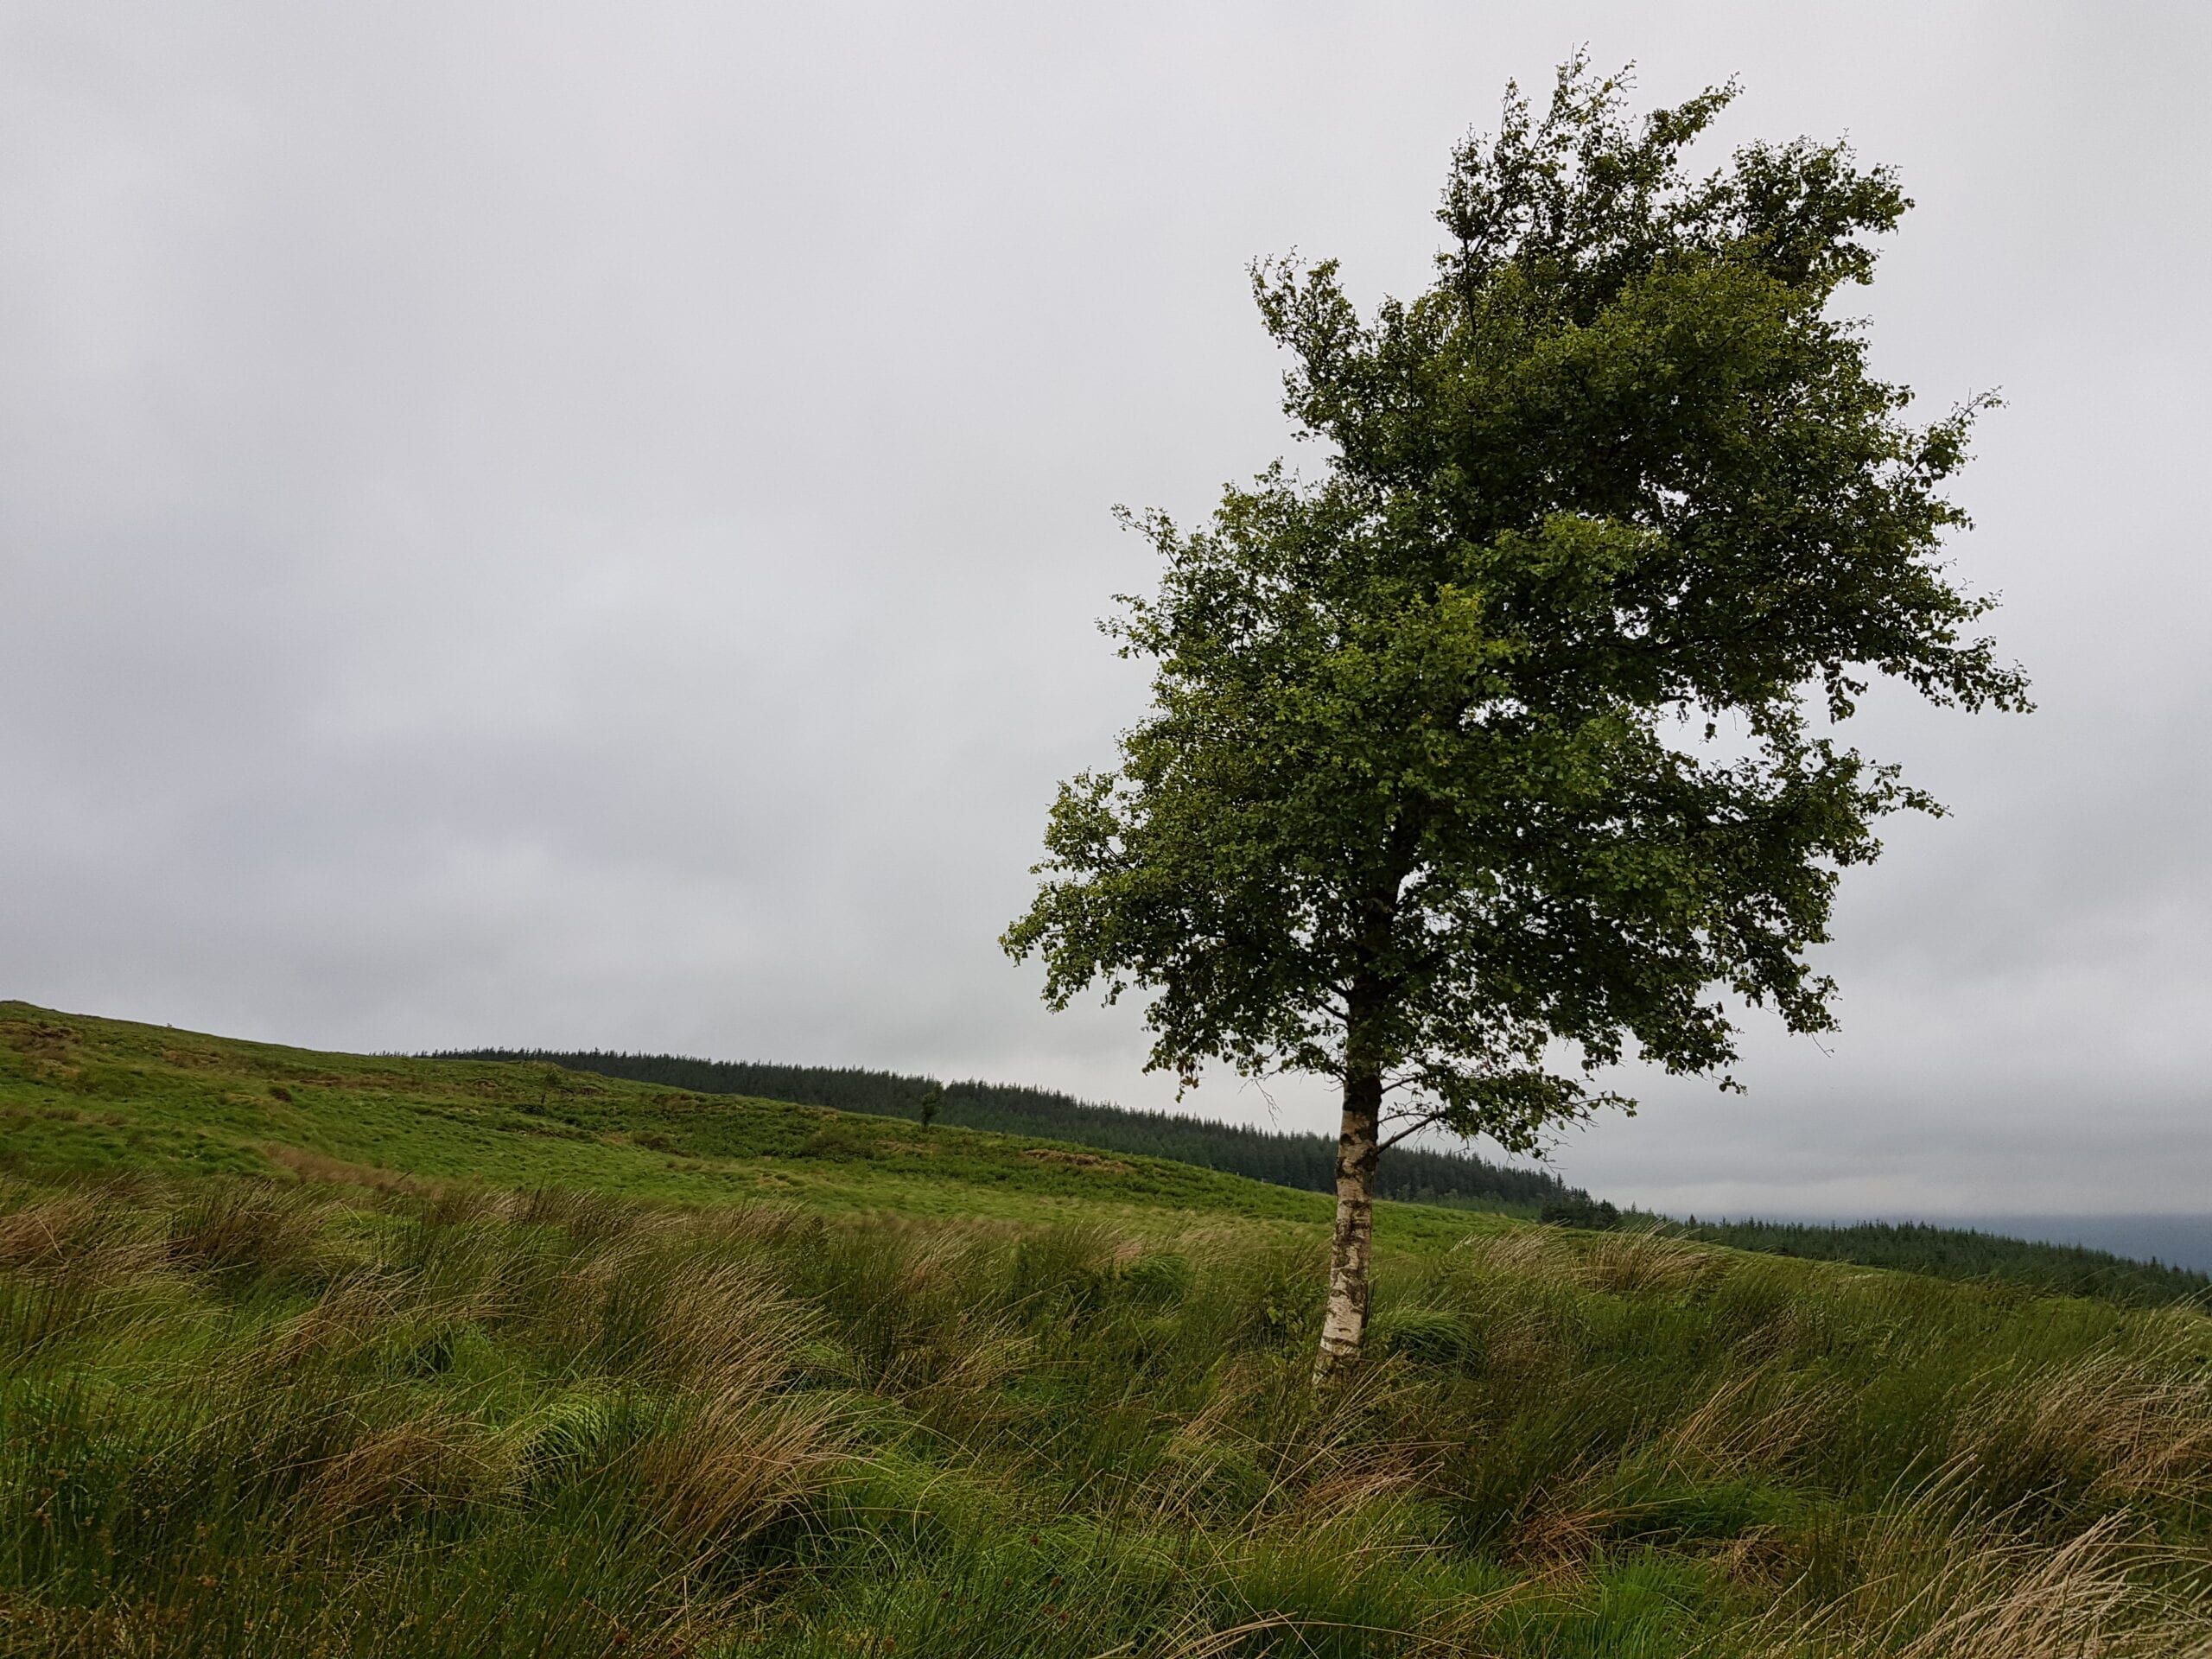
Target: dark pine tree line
{"points": [[1966, 1253]]}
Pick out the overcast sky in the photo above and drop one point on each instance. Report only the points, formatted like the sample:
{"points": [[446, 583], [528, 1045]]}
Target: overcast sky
{"points": [[583, 524]]}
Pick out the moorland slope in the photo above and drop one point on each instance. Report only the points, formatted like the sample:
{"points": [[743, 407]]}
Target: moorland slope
{"points": [[329, 1354], [1283, 1158]]}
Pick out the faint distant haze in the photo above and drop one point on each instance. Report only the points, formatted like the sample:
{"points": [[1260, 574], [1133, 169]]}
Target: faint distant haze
{"points": [[580, 525]]}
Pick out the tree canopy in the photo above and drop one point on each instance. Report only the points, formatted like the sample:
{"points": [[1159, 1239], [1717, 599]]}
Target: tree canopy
{"points": [[1504, 749]]}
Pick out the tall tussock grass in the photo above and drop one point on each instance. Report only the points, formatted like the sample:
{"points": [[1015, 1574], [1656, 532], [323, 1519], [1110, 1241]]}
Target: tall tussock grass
{"points": [[296, 1418], [1940, 1579], [2118, 1424]]}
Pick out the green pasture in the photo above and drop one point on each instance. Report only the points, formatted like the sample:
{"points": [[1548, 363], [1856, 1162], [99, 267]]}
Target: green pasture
{"points": [[88, 1096], [311, 1354]]}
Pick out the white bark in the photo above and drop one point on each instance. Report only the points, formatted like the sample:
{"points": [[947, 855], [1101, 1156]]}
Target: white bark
{"points": [[1351, 1246]]}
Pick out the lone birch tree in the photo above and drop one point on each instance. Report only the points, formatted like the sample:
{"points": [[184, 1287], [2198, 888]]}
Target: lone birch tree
{"points": [[1505, 750]]}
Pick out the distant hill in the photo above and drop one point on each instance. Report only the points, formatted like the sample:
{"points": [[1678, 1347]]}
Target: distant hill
{"points": [[1307, 1162], [1968, 1253]]}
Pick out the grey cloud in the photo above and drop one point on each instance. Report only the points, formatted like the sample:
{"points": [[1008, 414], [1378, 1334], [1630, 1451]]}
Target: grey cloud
{"points": [[583, 524]]}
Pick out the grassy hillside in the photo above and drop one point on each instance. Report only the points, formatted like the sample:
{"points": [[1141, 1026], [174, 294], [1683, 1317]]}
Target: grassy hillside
{"points": [[84, 1094], [1416, 1174], [320, 1354]]}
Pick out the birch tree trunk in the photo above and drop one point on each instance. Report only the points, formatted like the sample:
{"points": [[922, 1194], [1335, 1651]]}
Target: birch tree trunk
{"points": [[1344, 1326]]}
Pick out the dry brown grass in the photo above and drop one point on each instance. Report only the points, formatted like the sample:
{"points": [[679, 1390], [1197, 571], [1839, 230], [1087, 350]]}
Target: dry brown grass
{"points": [[85, 1236], [1334, 1461], [2119, 1426], [716, 1321], [249, 1228], [1936, 1587], [1632, 1262], [1074, 1159], [589, 1217], [1527, 1252], [738, 1461], [1566, 1524], [347, 1319], [457, 1204], [431, 1461], [1752, 1419], [44, 1235], [915, 1328], [315, 1166], [1638, 1263], [752, 1223]]}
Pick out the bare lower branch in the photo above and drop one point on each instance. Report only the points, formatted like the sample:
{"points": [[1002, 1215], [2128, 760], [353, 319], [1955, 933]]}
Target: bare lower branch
{"points": [[1415, 1122]]}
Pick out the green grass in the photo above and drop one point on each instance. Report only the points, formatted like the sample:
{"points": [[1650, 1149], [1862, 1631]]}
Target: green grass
{"points": [[91, 1096], [441, 1359], [1455, 1179]]}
